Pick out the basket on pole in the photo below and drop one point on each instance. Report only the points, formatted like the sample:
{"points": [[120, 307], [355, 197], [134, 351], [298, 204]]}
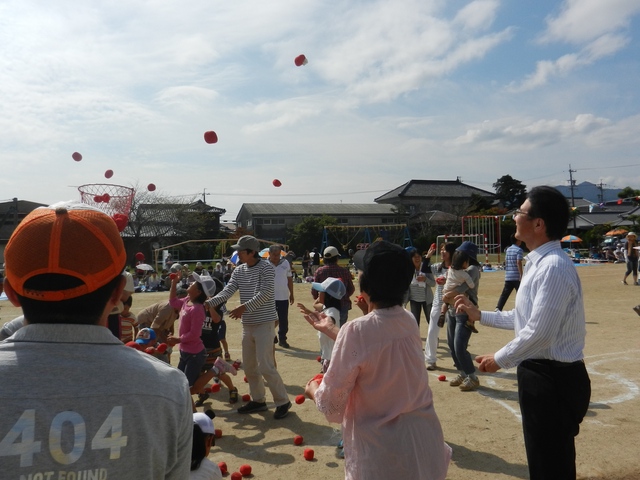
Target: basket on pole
{"points": [[114, 200]]}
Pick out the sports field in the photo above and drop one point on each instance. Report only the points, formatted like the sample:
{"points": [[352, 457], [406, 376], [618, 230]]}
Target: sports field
{"points": [[483, 427]]}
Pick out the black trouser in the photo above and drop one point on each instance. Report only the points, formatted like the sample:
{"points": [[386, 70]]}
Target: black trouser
{"points": [[416, 307], [282, 309], [554, 398], [509, 286]]}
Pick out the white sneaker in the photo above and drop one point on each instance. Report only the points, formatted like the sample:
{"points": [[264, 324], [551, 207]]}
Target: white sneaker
{"points": [[469, 384], [456, 382]]}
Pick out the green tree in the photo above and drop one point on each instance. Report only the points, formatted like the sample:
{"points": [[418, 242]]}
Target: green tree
{"points": [[479, 203], [308, 233], [510, 192], [595, 235], [628, 193], [635, 219]]}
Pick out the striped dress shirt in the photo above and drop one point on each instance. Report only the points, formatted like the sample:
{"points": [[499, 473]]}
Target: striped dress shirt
{"points": [[548, 318], [257, 286]]}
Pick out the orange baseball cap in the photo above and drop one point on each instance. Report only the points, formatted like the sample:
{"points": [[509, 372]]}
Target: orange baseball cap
{"points": [[68, 238]]}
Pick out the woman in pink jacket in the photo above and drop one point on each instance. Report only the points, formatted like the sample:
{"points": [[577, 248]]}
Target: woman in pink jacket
{"points": [[377, 385]]}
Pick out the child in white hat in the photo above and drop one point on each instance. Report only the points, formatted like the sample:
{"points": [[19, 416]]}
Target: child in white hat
{"points": [[328, 302], [204, 437]]}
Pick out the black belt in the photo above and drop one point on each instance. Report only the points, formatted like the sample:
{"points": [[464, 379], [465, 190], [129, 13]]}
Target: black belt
{"points": [[550, 363]]}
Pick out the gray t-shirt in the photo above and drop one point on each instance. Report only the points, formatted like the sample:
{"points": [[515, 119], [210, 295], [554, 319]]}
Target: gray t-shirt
{"points": [[75, 399], [11, 327], [472, 293]]}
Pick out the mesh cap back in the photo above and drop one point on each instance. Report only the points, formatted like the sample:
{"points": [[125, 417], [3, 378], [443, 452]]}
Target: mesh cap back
{"points": [[67, 239]]}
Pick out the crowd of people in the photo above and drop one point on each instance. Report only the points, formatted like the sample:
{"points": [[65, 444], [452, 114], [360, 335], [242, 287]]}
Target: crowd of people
{"points": [[151, 281], [67, 300]]}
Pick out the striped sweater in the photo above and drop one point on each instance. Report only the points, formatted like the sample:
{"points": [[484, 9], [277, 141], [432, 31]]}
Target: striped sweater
{"points": [[256, 285]]}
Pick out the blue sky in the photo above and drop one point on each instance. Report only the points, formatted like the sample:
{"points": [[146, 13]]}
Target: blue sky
{"points": [[394, 90]]}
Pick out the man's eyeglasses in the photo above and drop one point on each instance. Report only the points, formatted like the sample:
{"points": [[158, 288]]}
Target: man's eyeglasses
{"points": [[520, 212]]}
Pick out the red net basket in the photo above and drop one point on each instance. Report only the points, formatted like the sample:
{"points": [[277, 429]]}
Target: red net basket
{"points": [[111, 199]]}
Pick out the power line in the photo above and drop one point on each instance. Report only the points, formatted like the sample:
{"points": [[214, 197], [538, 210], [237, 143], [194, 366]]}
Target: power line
{"points": [[284, 194], [544, 176], [608, 167], [576, 170]]}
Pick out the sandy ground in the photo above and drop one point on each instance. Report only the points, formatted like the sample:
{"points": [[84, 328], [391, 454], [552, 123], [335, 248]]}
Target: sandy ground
{"points": [[482, 427]]}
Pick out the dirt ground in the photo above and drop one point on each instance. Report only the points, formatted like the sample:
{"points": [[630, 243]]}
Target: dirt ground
{"points": [[482, 427]]}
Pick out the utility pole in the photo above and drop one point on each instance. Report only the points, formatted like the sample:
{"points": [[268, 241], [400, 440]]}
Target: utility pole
{"points": [[601, 189], [572, 183]]}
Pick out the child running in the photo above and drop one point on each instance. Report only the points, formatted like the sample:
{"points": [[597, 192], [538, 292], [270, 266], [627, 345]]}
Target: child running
{"points": [[328, 302], [456, 276]]}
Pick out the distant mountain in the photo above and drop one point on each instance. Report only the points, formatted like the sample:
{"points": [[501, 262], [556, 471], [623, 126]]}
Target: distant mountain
{"points": [[589, 191]]}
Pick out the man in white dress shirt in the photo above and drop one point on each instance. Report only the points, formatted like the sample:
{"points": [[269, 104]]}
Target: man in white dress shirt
{"points": [[283, 284], [553, 385]]}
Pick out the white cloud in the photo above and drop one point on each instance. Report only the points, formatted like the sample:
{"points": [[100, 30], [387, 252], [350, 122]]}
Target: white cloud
{"points": [[477, 15], [281, 114], [581, 21], [79, 57], [374, 52], [133, 86], [604, 46], [546, 70], [598, 27], [529, 134], [187, 96], [625, 132], [387, 49]]}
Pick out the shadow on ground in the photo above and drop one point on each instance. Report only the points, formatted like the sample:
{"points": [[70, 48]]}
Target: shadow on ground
{"points": [[475, 461]]}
